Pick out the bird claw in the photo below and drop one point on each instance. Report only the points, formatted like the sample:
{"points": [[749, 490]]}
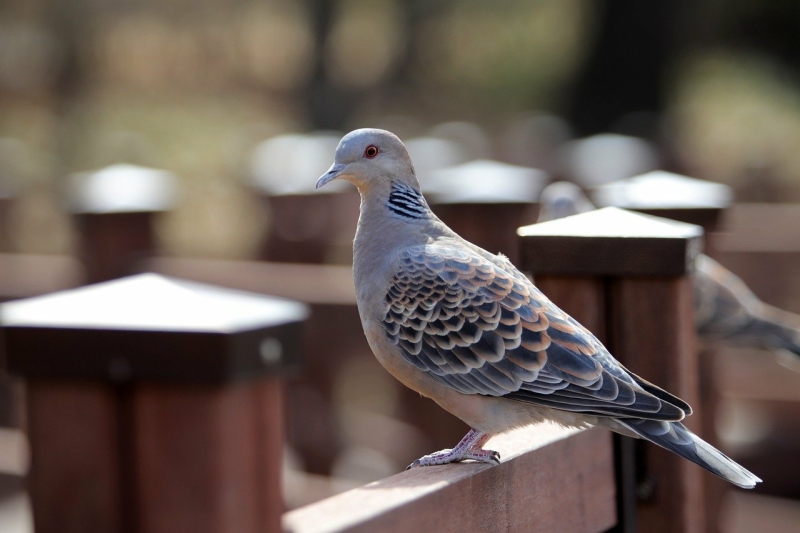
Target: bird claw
{"points": [[451, 456]]}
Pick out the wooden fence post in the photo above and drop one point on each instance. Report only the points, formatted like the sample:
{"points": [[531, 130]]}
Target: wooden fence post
{"points": [[668, 195], [307, 227], [643, 264], [303, 229], [304, 226], [694, 201], [114, 210], [154, 405]]}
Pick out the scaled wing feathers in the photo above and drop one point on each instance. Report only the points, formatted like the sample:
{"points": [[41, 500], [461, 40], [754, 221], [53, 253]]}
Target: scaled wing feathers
{"points": [[481, 327]]}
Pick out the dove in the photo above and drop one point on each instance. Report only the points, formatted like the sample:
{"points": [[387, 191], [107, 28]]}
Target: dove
{"points": [[726, 311], [465, 328]]}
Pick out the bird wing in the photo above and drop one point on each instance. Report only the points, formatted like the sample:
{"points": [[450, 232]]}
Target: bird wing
{"points": [[482, 328]]}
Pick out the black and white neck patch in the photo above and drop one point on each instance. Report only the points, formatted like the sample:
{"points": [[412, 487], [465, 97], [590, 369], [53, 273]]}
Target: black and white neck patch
{"points": [[406, 202]]}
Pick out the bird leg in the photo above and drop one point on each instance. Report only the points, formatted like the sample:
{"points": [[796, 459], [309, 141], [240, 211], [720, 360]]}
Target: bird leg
{"points": [[468, 448]]}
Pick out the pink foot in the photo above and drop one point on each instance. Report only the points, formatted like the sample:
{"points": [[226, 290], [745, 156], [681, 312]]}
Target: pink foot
{"points": [[468, 449]]}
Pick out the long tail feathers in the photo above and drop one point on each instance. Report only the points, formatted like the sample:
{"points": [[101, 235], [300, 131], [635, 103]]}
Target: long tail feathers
{"points": [[676, 438]]}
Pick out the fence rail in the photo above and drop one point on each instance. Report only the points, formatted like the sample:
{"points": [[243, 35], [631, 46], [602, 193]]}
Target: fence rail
{"points": [[551, 479]]}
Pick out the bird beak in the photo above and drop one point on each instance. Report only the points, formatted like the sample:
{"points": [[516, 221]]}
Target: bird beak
{"points": [[331, 175]]}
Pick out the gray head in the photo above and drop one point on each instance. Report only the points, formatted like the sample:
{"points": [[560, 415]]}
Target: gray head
{"points": [[562, 199], [371, 159]]}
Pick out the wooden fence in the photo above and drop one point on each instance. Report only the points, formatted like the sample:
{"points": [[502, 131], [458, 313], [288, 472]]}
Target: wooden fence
{"points": [[627, 280], [153, 405], [551, 479]]}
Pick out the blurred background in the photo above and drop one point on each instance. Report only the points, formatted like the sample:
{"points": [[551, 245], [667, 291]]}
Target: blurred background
{"points": [[241, 104]]}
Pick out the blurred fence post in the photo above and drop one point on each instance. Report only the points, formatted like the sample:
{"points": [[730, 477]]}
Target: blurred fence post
{"points": [[154, 405], [692, 201], [114, 211], [305, 228], [668, 195], [634, 268], [486, 201]]}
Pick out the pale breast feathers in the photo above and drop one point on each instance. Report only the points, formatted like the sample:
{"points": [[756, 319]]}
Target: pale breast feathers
{"points": [[483, 329]]}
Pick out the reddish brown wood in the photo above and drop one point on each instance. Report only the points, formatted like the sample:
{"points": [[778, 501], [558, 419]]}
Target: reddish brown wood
{"points": [[268, 409], [585, 299], [551, 479], [312, 413], [74, 480], [653, 335], [166, 449], [303, 228], [610, 242], [715, 488], [148, 327], [208, 459], [22, 276], [112, 242], [649, 327], [703, 203]]}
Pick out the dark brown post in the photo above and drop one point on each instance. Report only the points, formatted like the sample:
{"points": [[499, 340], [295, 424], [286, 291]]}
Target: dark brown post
{"points": [[306, 228], [486, 201], [154, 405], [305, 225], [698, 202], [643, 263], [114, 211]]}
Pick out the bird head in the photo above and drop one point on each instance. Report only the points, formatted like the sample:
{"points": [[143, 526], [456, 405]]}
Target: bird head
{"points": [[562, 199], [370, 158]]}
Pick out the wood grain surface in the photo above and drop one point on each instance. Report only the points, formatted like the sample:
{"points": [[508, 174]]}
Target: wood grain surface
{"points": [[551, 479]]}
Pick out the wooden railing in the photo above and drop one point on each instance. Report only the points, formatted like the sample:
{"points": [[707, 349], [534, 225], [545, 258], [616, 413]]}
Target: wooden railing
{"points": [[626, 277], [550, 478]]}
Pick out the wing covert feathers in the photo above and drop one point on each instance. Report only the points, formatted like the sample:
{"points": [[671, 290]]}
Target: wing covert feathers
{"points": [[480, 328]]}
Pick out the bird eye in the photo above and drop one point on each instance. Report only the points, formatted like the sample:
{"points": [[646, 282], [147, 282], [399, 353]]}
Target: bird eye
{"points": [[371, 151]]}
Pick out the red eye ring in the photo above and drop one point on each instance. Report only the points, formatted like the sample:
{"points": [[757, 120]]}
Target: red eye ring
{"points": [[371, 151]]}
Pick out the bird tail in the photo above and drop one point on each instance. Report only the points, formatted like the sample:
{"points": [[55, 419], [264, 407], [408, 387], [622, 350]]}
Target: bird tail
{"points": [[676, 438]]}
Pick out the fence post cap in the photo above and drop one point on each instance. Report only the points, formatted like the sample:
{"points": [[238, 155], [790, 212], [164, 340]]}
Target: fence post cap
{"points": [[669, 195], [610, 242], [291, 163], [151, 327], [485, 181], [122, 188]]}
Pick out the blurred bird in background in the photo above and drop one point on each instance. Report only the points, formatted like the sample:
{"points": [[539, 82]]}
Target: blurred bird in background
{"points": [[465, 328], [726, 310]]}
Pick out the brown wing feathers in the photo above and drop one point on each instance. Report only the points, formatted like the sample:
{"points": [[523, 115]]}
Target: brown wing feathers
{"points": [[482, 330]]}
